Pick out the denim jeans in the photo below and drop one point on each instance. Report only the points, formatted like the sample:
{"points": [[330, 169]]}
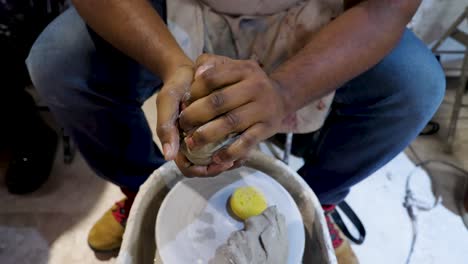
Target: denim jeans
{"points": [[96, 94]]}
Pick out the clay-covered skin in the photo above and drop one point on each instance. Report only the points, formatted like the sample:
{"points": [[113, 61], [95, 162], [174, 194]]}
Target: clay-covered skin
{"points": [[264, 240], [202, 156]]}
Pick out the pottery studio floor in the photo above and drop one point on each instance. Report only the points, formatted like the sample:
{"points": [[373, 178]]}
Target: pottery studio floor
{"points": [[51, 225]]}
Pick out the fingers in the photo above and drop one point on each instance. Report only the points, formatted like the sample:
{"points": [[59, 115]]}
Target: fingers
{"points": [[190, 170], [235, 121], [214, 72], [206, 61], [227, 96], [242, 146], [215, 78], [187, 168], [209, 107]]}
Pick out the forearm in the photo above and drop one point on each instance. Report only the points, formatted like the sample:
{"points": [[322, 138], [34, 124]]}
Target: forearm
{"points": [[346, 47], [135, 28]]}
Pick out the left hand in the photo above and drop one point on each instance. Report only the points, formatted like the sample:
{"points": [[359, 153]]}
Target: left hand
{"points": [[230, 96]]}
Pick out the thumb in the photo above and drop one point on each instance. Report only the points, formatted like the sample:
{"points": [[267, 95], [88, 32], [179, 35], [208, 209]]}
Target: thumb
{"points": [[167, 103]]}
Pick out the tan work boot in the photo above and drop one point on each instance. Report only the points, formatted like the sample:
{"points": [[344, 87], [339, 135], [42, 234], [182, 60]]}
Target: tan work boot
{"points": [[343, 251], [106, 234]]}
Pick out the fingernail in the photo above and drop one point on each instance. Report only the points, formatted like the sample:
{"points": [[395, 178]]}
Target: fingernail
{"points": [[229, 165], [189, 142], [167, 149], [187, 164]]}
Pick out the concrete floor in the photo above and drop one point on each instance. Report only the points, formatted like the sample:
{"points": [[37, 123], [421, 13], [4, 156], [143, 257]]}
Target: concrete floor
{"points": [[448, 182], [51, 225]]}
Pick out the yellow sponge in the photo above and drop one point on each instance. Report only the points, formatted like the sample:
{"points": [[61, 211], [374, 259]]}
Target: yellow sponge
{"points": [[247, 201]]}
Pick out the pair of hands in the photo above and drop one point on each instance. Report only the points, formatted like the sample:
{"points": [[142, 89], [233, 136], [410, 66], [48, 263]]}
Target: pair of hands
{"points": [[216, 97]]}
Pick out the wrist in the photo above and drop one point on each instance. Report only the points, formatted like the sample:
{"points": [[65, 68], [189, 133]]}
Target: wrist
{"points": [[174, 64], [285, 94]]}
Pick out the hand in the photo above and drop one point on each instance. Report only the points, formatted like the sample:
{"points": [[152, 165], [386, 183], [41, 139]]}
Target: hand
{"points": [[230, 96], [168, 103]]}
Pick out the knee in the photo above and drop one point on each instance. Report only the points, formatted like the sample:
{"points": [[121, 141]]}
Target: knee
{"points": [[421, 77], [424, 90], [43, 70], [53, 61]]}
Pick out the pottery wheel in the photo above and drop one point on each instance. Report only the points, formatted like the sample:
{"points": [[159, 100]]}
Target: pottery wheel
{"points": [[193, 220]]}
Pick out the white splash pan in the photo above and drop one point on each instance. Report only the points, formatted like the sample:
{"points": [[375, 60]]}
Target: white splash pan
{"points": [[193, 220], [139, 246]]}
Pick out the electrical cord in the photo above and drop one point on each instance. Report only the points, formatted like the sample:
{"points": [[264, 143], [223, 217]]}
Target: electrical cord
{"points": [[413, 205]]}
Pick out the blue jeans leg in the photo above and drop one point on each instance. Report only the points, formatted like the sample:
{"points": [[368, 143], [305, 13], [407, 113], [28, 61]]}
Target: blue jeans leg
{"points": [[96, 94], [374, 117]]}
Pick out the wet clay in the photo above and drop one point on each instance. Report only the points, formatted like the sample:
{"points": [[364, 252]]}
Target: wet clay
{"points": [[139, 244], [264, 240], [202, 156]]}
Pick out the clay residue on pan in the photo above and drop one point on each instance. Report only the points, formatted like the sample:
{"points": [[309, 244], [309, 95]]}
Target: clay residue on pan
{"points": [[264, 240]]}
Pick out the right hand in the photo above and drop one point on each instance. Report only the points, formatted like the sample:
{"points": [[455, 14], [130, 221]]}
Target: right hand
{"points": [[168, 102]]}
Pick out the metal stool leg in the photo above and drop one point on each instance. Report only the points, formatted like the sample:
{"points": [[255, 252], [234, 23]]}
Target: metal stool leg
{"points": [[287, 148], [457, 105], [68, 150]]}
